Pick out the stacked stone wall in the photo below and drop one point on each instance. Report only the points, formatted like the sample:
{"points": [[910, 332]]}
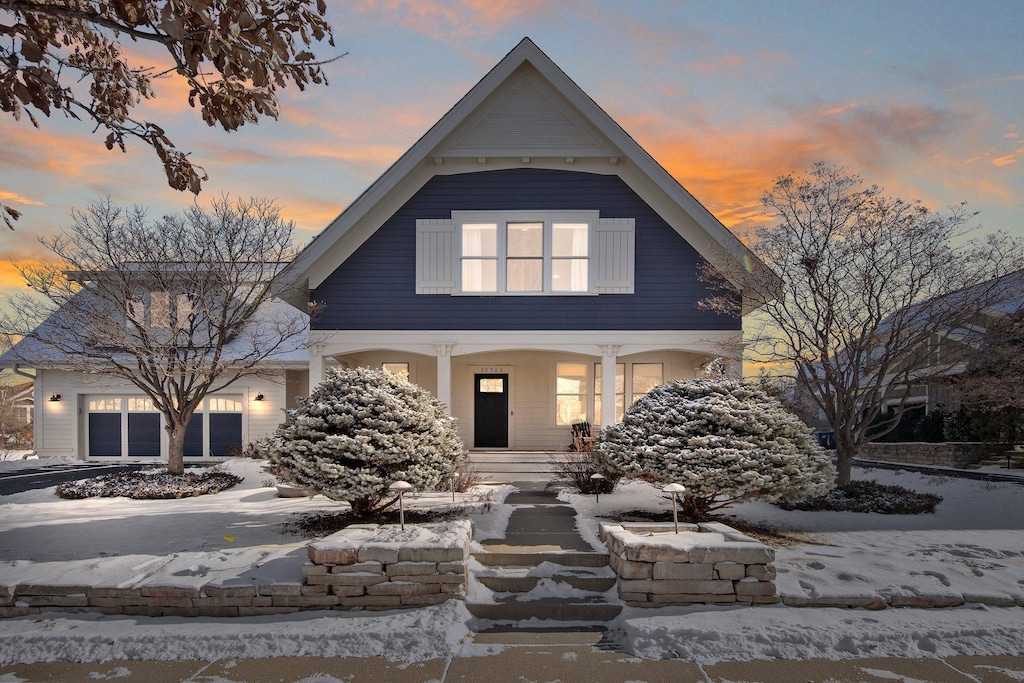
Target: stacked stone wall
{"points": [[720, 566], [934, 454], [347, 571]]}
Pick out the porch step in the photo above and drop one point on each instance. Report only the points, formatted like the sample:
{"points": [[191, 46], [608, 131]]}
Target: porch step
{"points": [[508, 466]]}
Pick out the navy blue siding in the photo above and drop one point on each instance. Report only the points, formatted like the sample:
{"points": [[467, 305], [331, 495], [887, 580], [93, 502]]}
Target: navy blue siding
{"points": [[375, 289]]}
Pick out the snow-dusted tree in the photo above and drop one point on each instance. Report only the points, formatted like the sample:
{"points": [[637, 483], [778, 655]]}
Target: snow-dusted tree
{"points": [[723, 439], [859, 289], [360, 431], [180, 307], [231, 57]]}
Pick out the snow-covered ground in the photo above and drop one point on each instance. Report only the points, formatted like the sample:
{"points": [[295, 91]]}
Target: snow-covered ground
{"points": [[973, 544]]}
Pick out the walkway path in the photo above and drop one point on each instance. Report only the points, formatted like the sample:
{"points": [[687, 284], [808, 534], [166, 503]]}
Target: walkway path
{"points": [[543, 569]]}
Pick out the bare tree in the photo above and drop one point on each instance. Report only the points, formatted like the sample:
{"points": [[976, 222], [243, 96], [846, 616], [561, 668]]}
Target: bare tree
{"points": [[234, 55], [867, 284], [180, 307]]}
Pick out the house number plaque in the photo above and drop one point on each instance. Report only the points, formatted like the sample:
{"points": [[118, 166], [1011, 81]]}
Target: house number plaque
{"points": [[499, 369]]}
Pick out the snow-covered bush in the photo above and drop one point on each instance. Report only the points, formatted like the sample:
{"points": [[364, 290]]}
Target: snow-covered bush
{"points": [[724, 440], [362, 430]]}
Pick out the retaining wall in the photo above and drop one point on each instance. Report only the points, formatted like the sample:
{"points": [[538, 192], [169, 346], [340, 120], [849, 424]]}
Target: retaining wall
{"points": [[708, 563], [361, 567], [936, 454]]}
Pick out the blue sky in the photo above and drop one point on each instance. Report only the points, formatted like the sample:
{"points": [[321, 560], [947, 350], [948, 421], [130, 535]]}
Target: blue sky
{"points": [[926, 99]]}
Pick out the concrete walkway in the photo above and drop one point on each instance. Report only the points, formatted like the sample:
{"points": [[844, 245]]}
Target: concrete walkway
{"points": [[579, 663]]}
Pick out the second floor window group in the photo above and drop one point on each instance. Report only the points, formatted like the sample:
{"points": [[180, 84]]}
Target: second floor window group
{"points": [[525, 256]]}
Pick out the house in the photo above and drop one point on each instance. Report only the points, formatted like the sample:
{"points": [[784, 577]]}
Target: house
{"points": [[526, 261], [90, 415]]}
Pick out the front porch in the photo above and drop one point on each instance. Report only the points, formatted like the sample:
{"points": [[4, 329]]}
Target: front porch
{"points": [[522, 395]]}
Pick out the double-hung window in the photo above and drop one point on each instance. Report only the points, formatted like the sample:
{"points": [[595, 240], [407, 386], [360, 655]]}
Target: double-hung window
{"points": [[520, 253]]}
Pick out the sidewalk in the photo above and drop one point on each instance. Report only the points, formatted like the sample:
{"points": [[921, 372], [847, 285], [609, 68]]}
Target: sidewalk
{"points": [[561, 663]]}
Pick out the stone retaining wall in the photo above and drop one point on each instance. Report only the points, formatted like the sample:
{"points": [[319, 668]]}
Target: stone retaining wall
{"points": [[936, 454], [367, 566], [707, 563], [361, 567]]}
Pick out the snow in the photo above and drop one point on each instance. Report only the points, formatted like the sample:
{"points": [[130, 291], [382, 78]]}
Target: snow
{"points": [[707, 635], [407, 635], [973, 544]]}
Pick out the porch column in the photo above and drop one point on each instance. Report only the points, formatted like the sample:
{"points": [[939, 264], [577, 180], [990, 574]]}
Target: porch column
{"points": [[316, 365], [443, 353], [609, 355]]}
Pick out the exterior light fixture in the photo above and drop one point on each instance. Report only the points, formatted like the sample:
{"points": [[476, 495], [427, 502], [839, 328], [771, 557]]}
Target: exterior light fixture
{"points": [[401, 487], [259, 397], [673, 489], [55, 398], [597, 478]]}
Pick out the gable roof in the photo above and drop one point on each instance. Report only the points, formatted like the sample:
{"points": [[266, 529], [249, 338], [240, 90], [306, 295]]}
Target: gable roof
{"points": [[526, 112]]}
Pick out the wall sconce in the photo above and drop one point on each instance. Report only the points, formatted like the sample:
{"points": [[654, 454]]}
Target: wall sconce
{"points": [[259, 397], [55, 398]]}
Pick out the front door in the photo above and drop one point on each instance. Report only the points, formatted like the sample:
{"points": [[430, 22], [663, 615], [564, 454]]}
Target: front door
{"points": [[490, 402]]}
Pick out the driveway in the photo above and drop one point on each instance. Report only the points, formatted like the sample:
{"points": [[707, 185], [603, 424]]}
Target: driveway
{"points": [[44, 476]]}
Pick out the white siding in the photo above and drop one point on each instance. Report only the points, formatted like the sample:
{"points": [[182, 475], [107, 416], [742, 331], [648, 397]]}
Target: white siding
{"points": [[436, 257], [61, 425], [614, 255]]}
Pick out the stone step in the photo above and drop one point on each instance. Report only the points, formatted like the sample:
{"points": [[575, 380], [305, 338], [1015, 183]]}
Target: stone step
{"points": [[511, 477], [540, 634], [525, 584], [549, 609], [531, 559], [511, 467], [506, 457]]}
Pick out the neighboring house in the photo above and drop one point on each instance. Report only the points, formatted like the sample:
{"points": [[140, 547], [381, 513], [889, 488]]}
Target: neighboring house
{"points": [[526, 260], [950, 350], [19, 399], [91, 416]]}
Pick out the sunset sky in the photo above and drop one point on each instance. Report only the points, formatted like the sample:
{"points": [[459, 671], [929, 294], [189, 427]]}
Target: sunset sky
{"points": [[925, 98]]}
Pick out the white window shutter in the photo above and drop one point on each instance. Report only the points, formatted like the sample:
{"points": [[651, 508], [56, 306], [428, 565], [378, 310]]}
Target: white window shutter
{"points": [[614, 255], [436, 257]]}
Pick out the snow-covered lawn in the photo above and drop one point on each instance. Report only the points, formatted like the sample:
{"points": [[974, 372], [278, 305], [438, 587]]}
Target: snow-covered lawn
{"points": [[973, 544]]}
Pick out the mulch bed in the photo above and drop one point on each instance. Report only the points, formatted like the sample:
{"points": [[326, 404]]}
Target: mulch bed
{"points": [[317, 524], [869, 496], [151, 484]]}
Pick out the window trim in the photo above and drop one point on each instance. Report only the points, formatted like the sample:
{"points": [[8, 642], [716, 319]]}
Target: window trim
{"points": [[502, 220]]}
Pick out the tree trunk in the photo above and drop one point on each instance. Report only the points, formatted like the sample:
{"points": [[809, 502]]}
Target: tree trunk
{"points": [[175, 449], [845, 452]]}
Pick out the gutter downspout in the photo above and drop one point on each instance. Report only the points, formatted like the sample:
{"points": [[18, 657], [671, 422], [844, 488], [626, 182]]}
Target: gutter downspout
{"points": [[36, 423]]}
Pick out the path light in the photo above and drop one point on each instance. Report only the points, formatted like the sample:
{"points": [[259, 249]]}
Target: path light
{"points": [[401, 487], [674, 489], [597, 479]]}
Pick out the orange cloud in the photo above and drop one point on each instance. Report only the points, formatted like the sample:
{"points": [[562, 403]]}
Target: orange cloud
{"points": [[15, 198], [452, 18], [729, 168]]}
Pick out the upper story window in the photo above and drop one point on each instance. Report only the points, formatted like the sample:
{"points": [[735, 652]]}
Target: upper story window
{"points": [[161, 310], [525, 253]]}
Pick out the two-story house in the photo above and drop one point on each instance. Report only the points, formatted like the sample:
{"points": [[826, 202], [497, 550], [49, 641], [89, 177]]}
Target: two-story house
{"points": [[526, 260]]}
